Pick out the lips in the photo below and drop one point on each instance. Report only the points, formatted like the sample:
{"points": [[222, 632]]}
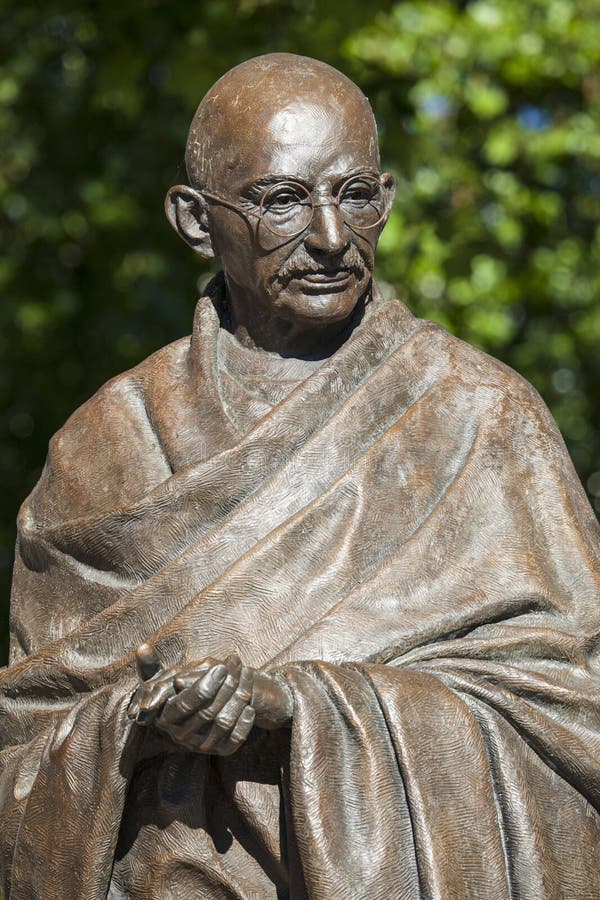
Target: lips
{"points": [[332, 279]]}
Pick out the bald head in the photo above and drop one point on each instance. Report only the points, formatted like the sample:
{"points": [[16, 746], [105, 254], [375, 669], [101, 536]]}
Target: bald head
{"points": [[275, 101]]}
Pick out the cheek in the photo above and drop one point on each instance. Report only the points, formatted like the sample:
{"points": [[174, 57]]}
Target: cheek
{"points": [[234, 245], [366, 252], [257, 273], [366, 246]]}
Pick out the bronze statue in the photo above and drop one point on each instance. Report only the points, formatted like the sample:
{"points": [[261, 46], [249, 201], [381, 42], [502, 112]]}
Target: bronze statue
{"points": [[306, 605]]}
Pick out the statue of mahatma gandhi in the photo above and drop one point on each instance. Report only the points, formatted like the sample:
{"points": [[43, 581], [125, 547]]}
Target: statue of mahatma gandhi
{"points": [[305, 605]]}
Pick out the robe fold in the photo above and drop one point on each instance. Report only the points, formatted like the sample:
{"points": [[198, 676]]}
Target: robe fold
{"points": [[403, 537]]}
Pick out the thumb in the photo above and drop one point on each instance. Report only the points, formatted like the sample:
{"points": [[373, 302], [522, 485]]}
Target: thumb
{"points": [[147, 661]]}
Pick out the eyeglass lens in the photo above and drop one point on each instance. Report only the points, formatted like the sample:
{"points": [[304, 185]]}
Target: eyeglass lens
{"points": [[287, 209]]}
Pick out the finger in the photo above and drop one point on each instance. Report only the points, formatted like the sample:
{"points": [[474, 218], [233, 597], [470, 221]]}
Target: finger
{"points": [[229, 677], [134, 704], [147, 661], [153, 694], [187, 677], [227, 745], [227, 717], [198, 707], [232, 679], [161, 677], [184, 681], [153, 700], [194, 698], [242, 729], [144, 693]]}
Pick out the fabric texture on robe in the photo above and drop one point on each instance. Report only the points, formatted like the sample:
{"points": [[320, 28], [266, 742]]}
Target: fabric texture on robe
{"points": [[404, 538]]}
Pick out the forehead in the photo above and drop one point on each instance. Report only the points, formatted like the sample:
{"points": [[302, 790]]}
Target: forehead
{"points": [[308, 141]]}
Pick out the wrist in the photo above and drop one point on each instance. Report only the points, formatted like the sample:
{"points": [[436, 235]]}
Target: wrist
{"points": [[273, 701]]}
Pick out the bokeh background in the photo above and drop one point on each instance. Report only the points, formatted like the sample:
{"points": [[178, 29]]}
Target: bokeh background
{"points": [[489, 117]]}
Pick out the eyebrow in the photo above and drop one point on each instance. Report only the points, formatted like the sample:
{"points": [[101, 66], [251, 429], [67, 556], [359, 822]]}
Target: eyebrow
{"points": [[271, 178]]}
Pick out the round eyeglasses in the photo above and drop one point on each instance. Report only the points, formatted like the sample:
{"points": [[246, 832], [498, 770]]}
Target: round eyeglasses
{"points": [[286, 209]]}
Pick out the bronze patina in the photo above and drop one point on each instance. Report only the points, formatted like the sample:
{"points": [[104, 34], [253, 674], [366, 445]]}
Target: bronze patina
{"points": [[305, 605]]}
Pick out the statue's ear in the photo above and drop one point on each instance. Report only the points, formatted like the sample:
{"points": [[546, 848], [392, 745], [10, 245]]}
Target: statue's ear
{"points": [[186, 211]]}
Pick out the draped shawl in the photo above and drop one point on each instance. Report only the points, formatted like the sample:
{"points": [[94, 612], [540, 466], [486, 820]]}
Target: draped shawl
{"points": [[403, 538]]}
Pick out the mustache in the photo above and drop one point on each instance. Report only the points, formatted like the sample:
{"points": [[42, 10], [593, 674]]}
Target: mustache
{"points": [[301, 263]]}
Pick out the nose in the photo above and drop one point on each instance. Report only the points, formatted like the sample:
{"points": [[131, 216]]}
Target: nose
{"points": [[327, 233]]}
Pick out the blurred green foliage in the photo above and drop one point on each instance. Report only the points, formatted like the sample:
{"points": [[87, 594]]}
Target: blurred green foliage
{"points": [[489, 117]]}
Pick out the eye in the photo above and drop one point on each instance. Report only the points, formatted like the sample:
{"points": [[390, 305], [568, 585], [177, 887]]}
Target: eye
{"points": [[359, 192], [284, 197]]}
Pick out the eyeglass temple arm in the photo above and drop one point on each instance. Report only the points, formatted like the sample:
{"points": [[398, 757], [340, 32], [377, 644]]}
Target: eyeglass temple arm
{"points": [[228, 203]]}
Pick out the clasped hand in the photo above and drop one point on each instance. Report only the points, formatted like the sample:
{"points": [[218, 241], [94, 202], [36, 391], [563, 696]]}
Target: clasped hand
{"points": [[209, 706]]}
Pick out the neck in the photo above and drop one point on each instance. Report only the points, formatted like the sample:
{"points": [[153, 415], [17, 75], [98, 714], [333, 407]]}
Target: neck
{"points": [[300, 339]]}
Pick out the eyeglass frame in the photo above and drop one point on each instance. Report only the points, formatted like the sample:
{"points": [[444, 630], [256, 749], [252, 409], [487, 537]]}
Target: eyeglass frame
{"points": [[333, 202]]}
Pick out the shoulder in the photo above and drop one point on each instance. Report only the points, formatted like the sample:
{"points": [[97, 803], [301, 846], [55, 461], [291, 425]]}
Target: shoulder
{"points": [[473, 370], [511, 417], [471, 389], [108, 452]]}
